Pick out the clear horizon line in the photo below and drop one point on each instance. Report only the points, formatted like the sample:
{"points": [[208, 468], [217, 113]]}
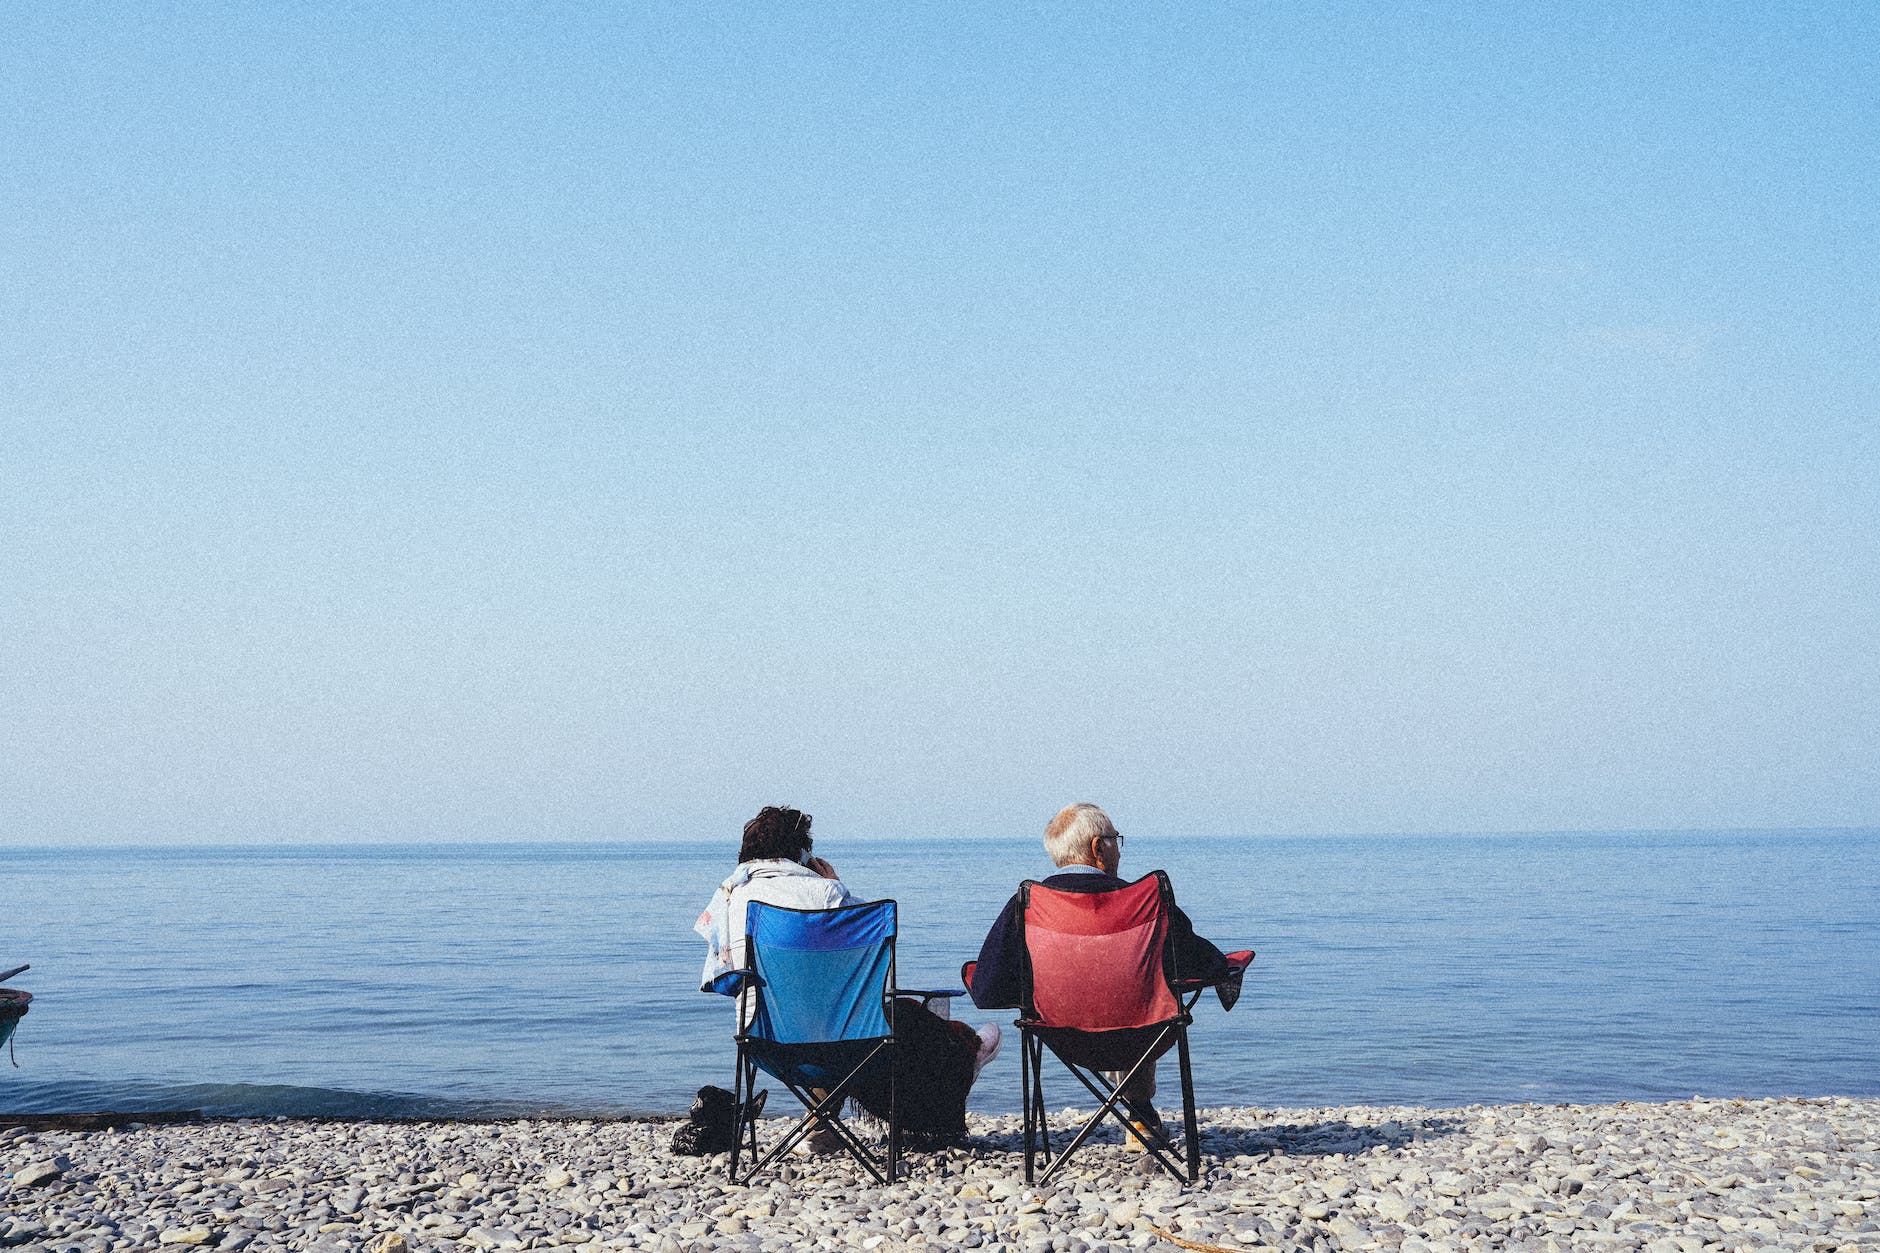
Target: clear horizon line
{"points": [[630, 841]]}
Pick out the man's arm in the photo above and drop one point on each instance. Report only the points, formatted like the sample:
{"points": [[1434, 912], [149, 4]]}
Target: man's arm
{"points": [[1191, 957], [998, 977]]}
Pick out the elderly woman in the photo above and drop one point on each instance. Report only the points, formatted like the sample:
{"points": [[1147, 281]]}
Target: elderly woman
{"points": [[936, 1059]]}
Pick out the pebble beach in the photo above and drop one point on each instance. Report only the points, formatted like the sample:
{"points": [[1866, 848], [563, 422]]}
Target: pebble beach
{"points": [[1681, 1177]]}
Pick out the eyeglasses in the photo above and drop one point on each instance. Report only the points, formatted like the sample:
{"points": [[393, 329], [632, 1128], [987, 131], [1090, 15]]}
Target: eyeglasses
{"points": [[1118, 837]]}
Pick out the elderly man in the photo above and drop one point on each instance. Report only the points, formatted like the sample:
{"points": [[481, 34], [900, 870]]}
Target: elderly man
{"points": [[1087, 849]]}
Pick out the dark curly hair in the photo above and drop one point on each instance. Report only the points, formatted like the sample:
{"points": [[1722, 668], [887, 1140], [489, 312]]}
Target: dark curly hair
{"points": [[776, 832]]}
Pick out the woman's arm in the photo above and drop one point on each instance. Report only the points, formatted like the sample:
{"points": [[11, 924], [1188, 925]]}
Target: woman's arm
{"points": [[827, 871]]}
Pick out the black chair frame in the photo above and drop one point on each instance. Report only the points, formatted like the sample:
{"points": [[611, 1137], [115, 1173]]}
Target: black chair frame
{"points": [[1035, 1037], [825, 1111]]}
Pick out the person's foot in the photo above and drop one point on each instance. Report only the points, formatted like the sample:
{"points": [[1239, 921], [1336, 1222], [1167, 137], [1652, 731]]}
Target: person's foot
{"points": [[1146, 1129], [819, 1143], [990, 1037]]}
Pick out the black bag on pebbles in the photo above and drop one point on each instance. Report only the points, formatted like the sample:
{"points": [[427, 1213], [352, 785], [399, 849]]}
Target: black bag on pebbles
{"points": [[712, 1125]]}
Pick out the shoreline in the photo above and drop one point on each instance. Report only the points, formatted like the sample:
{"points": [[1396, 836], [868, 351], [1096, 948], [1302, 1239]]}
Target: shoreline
{"points": [[1672, 1177], [101, 1119]]}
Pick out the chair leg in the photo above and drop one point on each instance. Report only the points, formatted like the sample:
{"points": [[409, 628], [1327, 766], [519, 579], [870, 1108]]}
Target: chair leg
{"points": [[821, 1112], [1077, 1141], [1108, 1096], [894, 1119], [737, 1142], [1043, 1120], [1026, 1103], [1109, 1105], [1191, 1132], [737, 1099], [747, 1125]]}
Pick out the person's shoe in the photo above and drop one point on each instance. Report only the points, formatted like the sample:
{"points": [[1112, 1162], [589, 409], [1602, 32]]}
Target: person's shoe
{"points": [[1145, 1128], [990, 1037]]}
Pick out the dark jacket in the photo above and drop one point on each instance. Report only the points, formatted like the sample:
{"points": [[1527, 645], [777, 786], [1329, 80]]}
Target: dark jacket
{"points": [[999, 978]]}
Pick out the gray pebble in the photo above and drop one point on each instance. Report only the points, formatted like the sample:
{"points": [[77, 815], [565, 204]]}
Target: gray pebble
{"points": [[1682, 1177]]}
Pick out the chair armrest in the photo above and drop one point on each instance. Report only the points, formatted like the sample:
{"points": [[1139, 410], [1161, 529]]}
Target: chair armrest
{"points": [[1226, 985], [927, 994], [731, 982], [1237, 964]]}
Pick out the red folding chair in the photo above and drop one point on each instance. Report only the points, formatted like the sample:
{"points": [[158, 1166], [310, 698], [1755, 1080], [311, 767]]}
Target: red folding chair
{"points": [[1097, 995]]}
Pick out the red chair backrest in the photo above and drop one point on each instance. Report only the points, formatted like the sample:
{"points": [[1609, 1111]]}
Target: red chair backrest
{"points": [[1096, 957]]}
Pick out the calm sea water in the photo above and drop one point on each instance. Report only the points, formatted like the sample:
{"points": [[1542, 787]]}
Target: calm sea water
{"points": [[475, 980]]}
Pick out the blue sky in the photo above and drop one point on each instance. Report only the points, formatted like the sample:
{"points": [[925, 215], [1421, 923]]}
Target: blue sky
{"points": [[425, 422]]}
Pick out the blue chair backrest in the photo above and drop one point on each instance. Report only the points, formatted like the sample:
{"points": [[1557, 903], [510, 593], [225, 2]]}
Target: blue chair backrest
{"points": [[824, 973]]}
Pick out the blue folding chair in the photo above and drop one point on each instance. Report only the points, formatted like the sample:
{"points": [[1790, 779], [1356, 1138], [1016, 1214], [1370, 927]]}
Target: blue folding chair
{"points": [[815, 999]]}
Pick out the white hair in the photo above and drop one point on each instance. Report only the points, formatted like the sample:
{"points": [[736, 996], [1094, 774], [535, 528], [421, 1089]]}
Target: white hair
{"points": [[1067, 838]]}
